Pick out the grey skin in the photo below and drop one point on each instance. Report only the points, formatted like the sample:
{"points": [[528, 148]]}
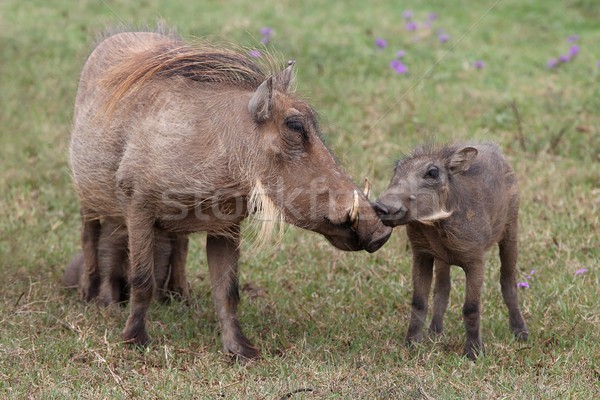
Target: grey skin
{"points": [[456, 202]]}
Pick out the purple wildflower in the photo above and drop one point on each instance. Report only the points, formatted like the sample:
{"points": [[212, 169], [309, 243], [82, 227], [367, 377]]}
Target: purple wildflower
{"points": [[598, 64], [399, 67], [564, 58], [443, 37], [432, 16], [411, 26], [573, 38], [407, 14], [523, 285], [255, 53], [581, 271], [532, 272], [381, 43], [266, 31], [400, 53], [573, 50], [552, 63], [479, 64]]}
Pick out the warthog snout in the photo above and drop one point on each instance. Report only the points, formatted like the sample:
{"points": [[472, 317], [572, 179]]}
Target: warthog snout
{"points": [[380, 234], [359, 228], [378, 239], [391, 214]]}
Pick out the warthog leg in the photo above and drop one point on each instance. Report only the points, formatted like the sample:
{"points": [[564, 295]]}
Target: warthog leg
{"points": [[113, 263], [141, 255], [471, 309], [89, 284], [441, 294], [422, 272], [177, 283], [508, 281], [223, 254]]}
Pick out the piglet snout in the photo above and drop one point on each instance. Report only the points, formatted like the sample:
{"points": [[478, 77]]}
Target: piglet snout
{"points": [[390, 214], [380, 208]]}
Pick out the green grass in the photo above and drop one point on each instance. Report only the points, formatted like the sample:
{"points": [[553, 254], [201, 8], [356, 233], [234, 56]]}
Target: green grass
{"points": [[327, 321]]}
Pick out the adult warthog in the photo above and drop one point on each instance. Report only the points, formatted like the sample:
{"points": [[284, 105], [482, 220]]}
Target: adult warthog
{"points": [[170, 137]]}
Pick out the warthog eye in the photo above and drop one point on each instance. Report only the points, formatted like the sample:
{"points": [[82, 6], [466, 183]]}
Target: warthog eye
{"points": [[296, 125], [433, 172]]}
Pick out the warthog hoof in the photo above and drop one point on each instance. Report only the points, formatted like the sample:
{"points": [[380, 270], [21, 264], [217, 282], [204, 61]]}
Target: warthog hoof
{"points": [[135, 334], [473, 350], [179, 293], [241, 348], [247, 354], [89, 287], [436, 329], [521, 335]]}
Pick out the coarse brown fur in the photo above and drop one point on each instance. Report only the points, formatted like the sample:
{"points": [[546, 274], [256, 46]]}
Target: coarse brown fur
{"points": [[185, 138], [456, 202], [174, 58]]}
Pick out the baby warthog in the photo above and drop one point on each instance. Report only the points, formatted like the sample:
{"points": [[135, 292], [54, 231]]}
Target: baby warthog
{"points": [[170, 253], [173, 138], [456, 202]]}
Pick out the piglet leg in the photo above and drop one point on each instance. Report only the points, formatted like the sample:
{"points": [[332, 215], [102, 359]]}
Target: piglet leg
{"points": [[471, 310], [422, 273], [508, 281], [441, 294]]}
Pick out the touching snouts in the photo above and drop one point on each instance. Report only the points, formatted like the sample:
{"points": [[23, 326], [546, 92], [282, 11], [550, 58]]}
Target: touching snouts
{"points": [[372, 234]]}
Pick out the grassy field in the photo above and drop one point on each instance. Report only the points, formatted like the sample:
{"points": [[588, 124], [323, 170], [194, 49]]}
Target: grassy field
{"points": [[330, 324]]}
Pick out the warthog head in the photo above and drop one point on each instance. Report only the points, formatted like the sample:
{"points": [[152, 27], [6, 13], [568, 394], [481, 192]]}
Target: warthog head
{"points": [[304, 181], [418, 190]]}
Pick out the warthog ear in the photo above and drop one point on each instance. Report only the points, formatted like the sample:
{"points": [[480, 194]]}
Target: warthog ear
{"points": [[261, 103], [284, 78], [462, 159]]}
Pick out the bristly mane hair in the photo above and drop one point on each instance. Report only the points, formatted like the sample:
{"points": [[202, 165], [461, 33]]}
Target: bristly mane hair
{"points": [[171, 57], [430, 149]]}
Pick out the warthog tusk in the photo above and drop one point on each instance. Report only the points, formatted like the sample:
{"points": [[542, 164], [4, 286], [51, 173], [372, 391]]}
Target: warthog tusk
{"points": [[367, 189], [354, 211], [438, 216]]}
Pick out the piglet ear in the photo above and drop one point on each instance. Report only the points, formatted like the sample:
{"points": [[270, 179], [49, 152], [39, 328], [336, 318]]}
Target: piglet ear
{"points": [[462, 159], [261, 103], [285, 78]]}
